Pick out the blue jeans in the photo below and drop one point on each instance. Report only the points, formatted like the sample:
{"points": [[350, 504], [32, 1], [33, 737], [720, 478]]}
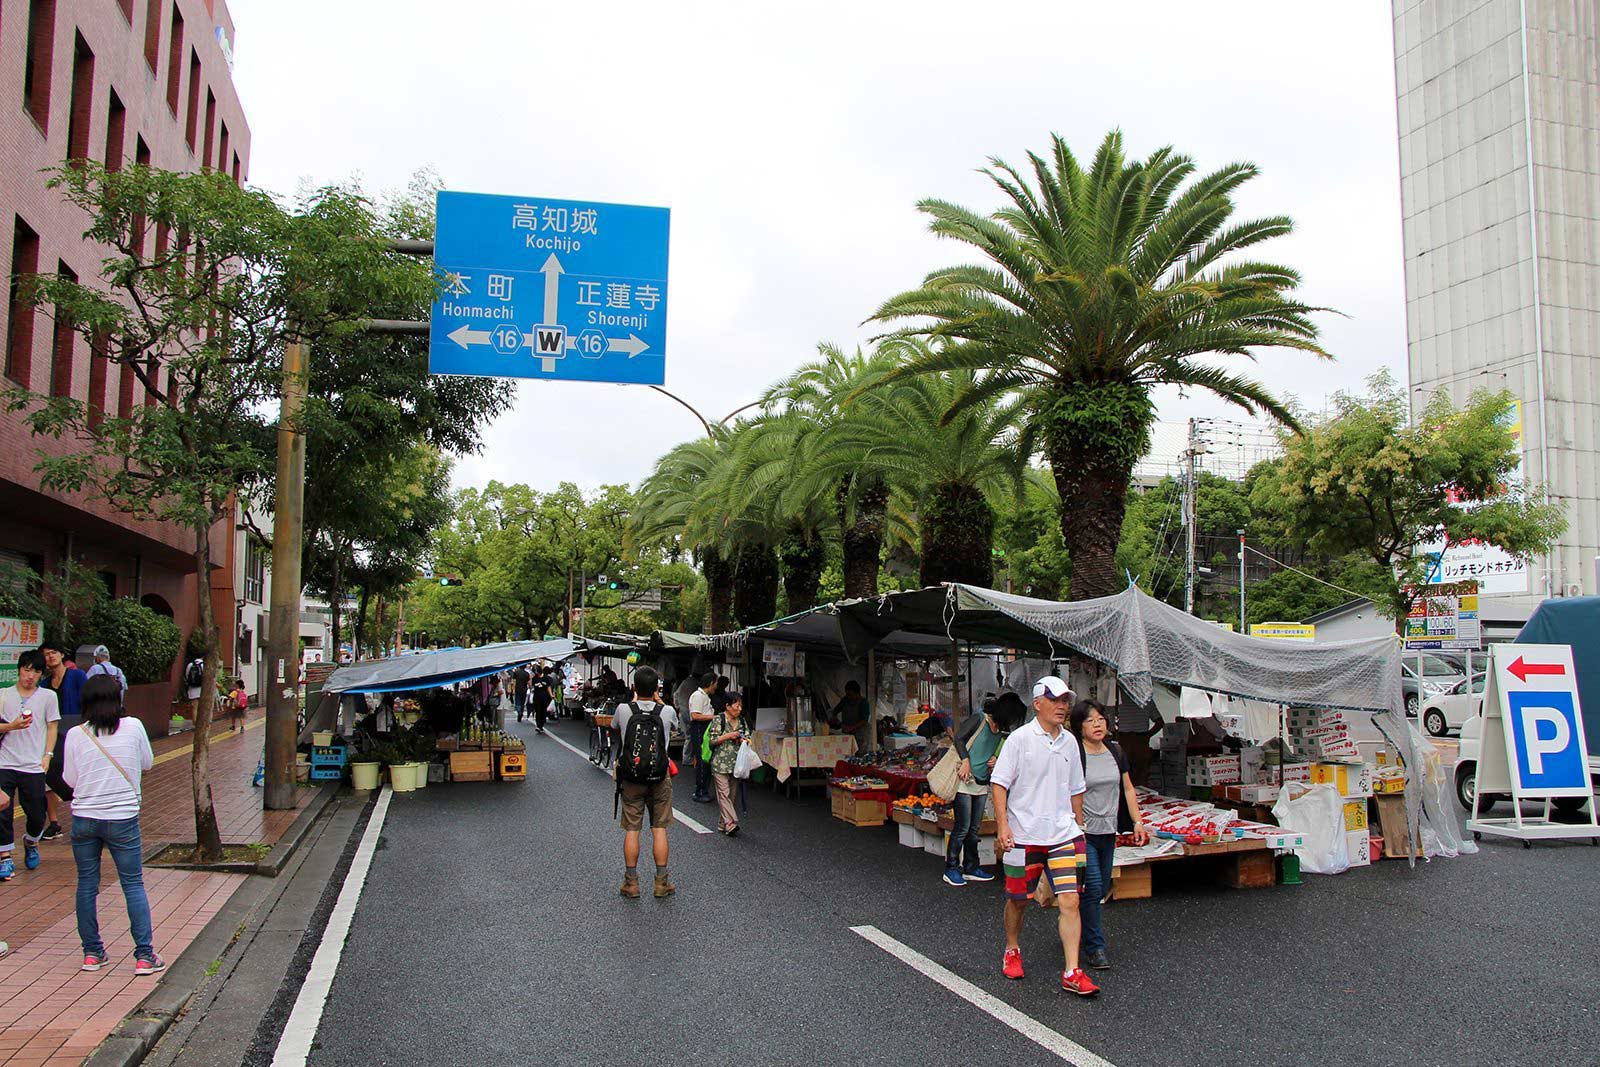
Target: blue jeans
{"points": [[89, 838], [1096, 881], [968, 811]]}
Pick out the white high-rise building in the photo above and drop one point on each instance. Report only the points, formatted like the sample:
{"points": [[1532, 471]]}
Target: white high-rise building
{"points": [[1499, 118]]}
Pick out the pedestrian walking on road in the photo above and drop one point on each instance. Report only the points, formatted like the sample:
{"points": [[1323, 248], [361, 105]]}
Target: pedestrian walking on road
{"points": [[1038, 807], [644, 780], [238, 704], [520, 679], [977, 743], [65, 680], [1110, 807], [541, 696], [726, 732], [701, 712], [30, 718], [103, 665], [106, 758]]}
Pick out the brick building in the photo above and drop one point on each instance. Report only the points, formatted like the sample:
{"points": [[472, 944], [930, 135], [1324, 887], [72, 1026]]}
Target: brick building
{"points": [[119, 81]]}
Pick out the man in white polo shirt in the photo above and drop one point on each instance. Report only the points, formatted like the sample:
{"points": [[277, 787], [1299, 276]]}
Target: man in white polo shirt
{"points": [[1038, 808]]}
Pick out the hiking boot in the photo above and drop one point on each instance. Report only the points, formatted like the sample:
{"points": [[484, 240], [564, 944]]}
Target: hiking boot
{"points": [[1011, 963], [51, 832], [630, 888], [30, 856], [1098, 960], [664, 888], [1076, 981]]}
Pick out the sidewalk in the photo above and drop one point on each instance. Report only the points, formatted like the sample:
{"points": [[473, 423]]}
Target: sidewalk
{"points": [[50, 1011]]}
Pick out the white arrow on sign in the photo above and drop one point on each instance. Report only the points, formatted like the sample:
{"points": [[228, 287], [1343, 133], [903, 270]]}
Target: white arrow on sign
{"points": [[630, 344], [552, 286], [465, 335]]}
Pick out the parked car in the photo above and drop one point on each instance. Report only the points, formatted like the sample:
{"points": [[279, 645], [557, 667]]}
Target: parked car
{"points": [[1451, 709], [1438, 676], [1571, 621]]}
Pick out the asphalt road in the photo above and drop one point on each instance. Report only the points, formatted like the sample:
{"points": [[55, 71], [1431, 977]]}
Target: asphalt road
{"points": [[491, 931]]}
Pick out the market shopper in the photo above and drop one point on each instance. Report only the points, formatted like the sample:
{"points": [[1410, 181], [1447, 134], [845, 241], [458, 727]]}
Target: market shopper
{"points": [[1038, 805], [103, 665], [701, 712], [727, 731], [106, 758], [540, 696], [1110, 807], [30, 717], [643, 781], [520, 679], [63, 678], [977, 743]]}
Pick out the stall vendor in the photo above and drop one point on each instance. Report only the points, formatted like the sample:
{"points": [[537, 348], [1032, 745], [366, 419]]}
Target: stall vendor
{"points": [[851, 714]]}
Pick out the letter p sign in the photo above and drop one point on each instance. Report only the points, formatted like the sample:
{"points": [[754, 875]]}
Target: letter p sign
{"points": [[1545, 731]]}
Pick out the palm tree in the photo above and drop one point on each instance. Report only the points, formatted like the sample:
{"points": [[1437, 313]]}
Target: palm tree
{"points": [[815, 394], [764, 454], [672, 509], [952, 471], [1101, 285]]}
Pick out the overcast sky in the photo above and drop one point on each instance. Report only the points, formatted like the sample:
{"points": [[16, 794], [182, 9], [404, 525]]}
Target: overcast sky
{"points": [[792, 150]]}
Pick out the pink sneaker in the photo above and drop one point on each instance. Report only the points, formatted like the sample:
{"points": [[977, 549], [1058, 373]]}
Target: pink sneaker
{"points": [[145, 968], [94, 963], [1011, 963]]}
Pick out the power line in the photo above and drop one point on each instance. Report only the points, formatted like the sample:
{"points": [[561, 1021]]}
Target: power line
{"points": [[1308, 574]]}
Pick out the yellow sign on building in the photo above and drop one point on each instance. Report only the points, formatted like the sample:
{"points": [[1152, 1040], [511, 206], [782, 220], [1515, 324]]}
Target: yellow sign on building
{"points": [[1285, 631]]}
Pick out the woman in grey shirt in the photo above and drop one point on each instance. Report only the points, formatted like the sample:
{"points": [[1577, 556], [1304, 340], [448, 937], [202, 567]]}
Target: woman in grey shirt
{"points": [[1110, 806]]}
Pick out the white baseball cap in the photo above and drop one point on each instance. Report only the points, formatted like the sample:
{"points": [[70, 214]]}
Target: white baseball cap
{"points": [[1051, 686]]}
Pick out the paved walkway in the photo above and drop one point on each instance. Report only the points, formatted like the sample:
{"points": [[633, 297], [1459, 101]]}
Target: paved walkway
{"points": [[50, 1011]]}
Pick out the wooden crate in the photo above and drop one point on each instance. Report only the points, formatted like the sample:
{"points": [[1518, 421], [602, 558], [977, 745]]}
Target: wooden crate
{"points": [[858, 811], [901, 816], [446, 744], [471, 766]]}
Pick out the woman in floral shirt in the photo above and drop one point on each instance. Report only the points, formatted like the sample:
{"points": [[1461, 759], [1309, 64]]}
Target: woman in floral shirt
{"points": [[726, 733]]}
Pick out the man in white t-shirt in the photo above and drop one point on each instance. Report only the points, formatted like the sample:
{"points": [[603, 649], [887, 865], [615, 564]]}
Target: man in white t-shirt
{"points": [[29, 719], [1038, 809], [701, 712]]}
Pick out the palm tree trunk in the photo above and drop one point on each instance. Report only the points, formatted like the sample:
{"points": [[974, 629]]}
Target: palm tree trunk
{"points": [[957, 536], [803, 556], [719, 590], [861, 537], [755, 584], [1093, 437]]}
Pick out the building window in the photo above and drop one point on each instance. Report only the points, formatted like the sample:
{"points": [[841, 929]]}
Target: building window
{"points": [[236, 179], [19, 321], [152, 34], [125, 391], [36, 67], [152, 375], [99, 363], [82, 110], [174, 60], [141, 158], [211, 126], [163, 240], [192, 117], [62, 347], [116, 130], [126, 7], [255, 570], [222, 149]]}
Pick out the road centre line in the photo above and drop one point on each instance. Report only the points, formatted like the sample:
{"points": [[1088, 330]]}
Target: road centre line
{"points": [[1032, 1029], [301, 1029], [676, 814]]}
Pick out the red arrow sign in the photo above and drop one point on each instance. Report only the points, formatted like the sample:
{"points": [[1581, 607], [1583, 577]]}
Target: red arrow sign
{"points": [[1522, 670]]}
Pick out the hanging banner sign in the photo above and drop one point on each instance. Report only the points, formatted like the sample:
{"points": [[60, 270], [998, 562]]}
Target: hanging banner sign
{"points": [[778, 658]]}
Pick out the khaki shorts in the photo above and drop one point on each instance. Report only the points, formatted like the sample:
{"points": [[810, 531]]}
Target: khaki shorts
{"points": [[635, 797]]}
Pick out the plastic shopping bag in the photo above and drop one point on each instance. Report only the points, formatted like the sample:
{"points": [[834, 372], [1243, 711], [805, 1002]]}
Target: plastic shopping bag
{"points": [[746, 762], [1318, 813]]}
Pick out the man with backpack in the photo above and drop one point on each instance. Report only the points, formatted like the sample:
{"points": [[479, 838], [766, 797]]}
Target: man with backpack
{"points": [[644, 778]]}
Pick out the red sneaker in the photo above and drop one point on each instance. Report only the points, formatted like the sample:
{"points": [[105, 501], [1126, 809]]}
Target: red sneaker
{"points": [[1011, 963], [1076, 981]]}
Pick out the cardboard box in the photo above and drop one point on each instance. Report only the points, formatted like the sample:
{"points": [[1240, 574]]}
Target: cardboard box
{"points": [[1358, 843], [1355, 816], [1213, 770], [1292, 772], [1312, 718], [910, 836], [932, 843], [1350, 779]]}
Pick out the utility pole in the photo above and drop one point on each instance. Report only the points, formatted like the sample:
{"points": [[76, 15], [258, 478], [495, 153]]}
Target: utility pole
{"points": [[1190, 516], [399, 623], [283, 636], [1241, 582]]}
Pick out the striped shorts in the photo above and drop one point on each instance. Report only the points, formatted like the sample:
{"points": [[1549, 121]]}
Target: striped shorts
{"points": [[1064, 863]]}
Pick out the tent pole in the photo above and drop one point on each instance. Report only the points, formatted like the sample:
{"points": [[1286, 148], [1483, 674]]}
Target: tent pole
{"points": [[872, 700], [955, 680]]}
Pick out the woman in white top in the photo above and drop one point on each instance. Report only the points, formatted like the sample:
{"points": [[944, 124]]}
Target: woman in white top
{"points": [[106, 758]]}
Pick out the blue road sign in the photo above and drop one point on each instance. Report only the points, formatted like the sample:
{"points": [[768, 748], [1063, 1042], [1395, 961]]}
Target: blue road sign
{"points": [[537, 288]]}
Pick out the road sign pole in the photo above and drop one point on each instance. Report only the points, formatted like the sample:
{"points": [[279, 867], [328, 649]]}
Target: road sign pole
{"points": [[283, 642]]}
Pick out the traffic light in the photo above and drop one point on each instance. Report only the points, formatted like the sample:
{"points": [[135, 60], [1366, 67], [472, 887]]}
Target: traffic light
{"points": [[450, 580]]}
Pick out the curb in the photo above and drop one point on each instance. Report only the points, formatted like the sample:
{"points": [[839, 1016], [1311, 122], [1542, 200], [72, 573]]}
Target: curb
{"points": [[140, 1029]]}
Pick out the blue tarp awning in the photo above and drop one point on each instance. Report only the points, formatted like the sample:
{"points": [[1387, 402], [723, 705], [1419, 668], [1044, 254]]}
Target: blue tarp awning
{"points": [[426, 670]]}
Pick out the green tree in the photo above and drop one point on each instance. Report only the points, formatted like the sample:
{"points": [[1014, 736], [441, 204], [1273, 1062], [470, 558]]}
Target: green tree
{"points": [[1101, 285], [202, 321], [141, 641], [1365, 480], [675, 512], [1293, 596], [1152, 549], [1028, 542]]}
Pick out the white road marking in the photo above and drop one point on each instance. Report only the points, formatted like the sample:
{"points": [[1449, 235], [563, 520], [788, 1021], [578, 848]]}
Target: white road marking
{"points": [[301, 1029], [576, 751], [1032, 1029]]}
